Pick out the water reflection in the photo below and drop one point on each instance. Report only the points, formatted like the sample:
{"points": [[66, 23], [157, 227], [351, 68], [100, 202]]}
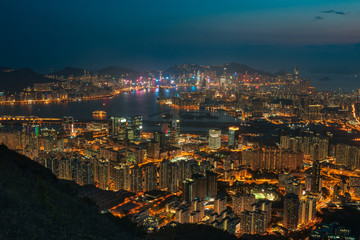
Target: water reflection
{"points": [[126, 104]]}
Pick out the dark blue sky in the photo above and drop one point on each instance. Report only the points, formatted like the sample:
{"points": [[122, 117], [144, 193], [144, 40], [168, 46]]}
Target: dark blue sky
{"points": [[317, 35]]}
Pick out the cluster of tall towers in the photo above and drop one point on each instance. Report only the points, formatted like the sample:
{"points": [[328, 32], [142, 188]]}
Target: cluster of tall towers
{"points": [[125, 129]]}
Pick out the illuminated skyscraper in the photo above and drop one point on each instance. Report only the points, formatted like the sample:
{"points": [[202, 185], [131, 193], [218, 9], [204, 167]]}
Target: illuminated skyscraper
{"points": [[316, 171], [64, 169], [122, 177], [137, 126], [164, 174], [212, 184], [175, 132], [307, 209], [88, 173], [188, 191], [150, 177], [76, 171], [219, 204], [291, 211], [214, 138], [68, 124], [259, 222], [136, 179], [153, 150], [103, 173], [293, 185], [173, 181], [233, 131], [296, 73], [117, 128], [200, 186], [134, 128], [242, 202]]}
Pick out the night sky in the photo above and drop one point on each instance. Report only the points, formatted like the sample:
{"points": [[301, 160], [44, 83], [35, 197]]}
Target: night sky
{"points": [[317, 35]]}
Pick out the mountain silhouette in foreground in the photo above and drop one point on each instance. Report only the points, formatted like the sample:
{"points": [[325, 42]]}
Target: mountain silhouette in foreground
{"points": [[35, 205]]}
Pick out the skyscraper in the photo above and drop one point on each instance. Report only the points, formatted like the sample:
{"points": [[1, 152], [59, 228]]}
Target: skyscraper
{"points": [[136, 179], [137, 126], [164, 174], [316, 171], [242, 202], [291, 211], [307, 209], [219, 204], [133, 128], [153, 150], [122, 177], [212, 184], [188, 191], [214, 138], [104, 173], [200, 186], [173, 180], [117, 128], [296, 73], [293, 185], [150, 177], [175, 132], [68, 124], [233, 132]]}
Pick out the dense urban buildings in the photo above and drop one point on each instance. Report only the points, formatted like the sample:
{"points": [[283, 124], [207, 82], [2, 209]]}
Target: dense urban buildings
{"points": [[180, 120], [288, 152]]}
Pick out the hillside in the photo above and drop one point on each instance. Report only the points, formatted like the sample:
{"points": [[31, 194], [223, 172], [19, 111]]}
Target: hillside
{"points": [[116, 71], [111, 71], [238, 68], [35, 205], [18, 79], [70, 71]]}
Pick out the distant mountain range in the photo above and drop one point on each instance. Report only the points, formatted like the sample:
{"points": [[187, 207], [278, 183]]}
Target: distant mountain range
{"points": [[109, 71], [228, 68], [117, 71], [70, 71], [237, 68], [18, 79]]}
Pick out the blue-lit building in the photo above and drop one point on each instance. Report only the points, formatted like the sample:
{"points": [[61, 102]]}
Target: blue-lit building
{"points": [[331, 231]]}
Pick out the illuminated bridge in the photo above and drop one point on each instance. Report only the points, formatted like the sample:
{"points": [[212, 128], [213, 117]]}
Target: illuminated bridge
{"points": [[28, 119]]}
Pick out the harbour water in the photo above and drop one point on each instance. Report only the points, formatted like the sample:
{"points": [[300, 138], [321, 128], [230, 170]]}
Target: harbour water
{"points": [[142, 102]]}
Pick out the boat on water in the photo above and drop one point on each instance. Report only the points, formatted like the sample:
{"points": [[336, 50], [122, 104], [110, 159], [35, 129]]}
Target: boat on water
{"points": [[99, 113]]}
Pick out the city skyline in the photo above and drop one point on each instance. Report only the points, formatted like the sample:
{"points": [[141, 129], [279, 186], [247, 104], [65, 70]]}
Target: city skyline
{"points": [[180, 120]]}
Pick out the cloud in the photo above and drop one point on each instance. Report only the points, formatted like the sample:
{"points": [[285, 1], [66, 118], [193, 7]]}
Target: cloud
{"points": [[335, 12], [317, 18]]}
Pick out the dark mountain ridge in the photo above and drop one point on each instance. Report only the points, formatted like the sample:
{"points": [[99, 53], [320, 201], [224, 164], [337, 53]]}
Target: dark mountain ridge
{"points": [[116, 71], [238, 68], [35, 205], [71, 71], [18, 79]]}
